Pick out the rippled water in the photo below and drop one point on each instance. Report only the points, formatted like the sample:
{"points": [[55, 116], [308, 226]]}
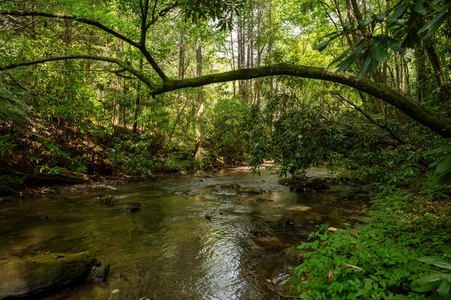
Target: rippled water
{"points": [[169, 250]]}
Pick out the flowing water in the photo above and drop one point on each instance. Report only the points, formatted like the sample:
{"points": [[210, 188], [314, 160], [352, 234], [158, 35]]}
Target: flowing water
{"points": [[169, 249]]}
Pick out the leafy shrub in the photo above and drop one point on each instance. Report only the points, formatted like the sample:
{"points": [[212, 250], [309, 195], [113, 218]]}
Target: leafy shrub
{"points": [[6, 144], [134, 158], [440, 281], [299, 134], [442, 164], [224, 139], [356, 264], [376, 261]]}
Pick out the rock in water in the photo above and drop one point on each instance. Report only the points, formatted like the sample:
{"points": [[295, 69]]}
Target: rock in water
{"points": [[23, 277], [98, 274], [107, 199], [130, 207]]}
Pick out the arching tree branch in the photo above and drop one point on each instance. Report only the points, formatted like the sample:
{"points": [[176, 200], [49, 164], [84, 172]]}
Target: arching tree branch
{"points": [[407, 105], [118, 62]]}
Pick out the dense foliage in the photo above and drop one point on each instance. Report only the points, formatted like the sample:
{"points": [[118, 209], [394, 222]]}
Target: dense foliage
{"points": [[97, 88], [378, 260]]}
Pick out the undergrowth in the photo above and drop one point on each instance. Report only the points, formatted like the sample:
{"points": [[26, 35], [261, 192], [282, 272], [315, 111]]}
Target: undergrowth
{"points": [[379, 260]]}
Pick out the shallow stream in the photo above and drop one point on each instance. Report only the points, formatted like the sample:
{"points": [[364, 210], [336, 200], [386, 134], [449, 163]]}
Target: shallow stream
{"points": [[169, 249]]}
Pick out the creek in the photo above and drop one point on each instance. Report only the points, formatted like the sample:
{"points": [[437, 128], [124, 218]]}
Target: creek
{"points": [[169, 249]]}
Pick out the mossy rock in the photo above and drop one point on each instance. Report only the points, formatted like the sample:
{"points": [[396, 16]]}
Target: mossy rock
{"points": [[249, 190], [23, 277], [107, 199]]}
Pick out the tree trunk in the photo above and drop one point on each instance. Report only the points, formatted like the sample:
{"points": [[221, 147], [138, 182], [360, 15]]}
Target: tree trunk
{"points": [[137, 101], [435, 63], [200, 110]]}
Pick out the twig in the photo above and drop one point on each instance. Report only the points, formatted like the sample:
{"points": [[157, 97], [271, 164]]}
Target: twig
{"points": [[209, 216]]}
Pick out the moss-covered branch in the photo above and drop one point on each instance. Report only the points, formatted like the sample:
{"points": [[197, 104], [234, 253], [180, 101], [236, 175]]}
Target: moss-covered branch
{"points": [[406, 104], [118, 62]]}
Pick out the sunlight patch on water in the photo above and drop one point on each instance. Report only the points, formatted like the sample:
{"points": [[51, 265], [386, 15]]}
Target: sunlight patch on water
{"points": [[299, 208]]}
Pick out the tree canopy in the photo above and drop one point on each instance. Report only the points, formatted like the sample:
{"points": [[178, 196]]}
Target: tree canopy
{"points": [[100, 67], [370, 48]]}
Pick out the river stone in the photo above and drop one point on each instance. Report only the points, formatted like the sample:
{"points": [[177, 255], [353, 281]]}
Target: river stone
{"points": [[107, 199], [23, 277], [130, 207], [98, 274], [249, 190]]}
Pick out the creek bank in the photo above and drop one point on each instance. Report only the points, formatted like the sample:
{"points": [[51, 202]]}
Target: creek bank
{"points": [[24, 277]]}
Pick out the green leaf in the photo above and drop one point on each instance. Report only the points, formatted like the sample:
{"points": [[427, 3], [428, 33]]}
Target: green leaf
{"points": [[444, 288], [320, 47], [398, 49], [411, 39], [446, 250], [439, 150], [363, 24], [400, 22], [428, 283], [344, 54], [380, 17], [444, 164], [351, 59], [379, 52], [436, 261], [436, 22], [399, 11], [441, 179], [365, 67], [419, 6]]}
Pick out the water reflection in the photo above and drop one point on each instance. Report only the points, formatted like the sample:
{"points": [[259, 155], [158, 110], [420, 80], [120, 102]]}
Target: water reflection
{"points": [[169, 250]]}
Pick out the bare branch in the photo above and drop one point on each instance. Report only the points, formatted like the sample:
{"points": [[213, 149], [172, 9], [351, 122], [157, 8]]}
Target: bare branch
{"points": [[161, 14], [144, 5], [383, 127]]}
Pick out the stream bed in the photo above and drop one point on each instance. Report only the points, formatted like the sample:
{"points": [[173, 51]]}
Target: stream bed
{"points": [[225, 235]]}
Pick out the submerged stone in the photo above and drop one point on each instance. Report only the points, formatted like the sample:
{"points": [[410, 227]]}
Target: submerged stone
{"points": [[107, 199], [249, 190], [130, 207], [98, 274]]}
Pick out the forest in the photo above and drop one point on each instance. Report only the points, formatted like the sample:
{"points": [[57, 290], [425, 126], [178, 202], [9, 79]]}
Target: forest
{"points": [[92, 89]]}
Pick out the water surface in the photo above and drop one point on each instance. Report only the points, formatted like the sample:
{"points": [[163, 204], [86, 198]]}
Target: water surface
{"points": [[169, 250]]}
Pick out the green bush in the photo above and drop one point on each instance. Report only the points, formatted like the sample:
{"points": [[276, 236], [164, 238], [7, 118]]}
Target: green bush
{"points": [[224, 140], [379, 260], [439, 281], [6, 144]]}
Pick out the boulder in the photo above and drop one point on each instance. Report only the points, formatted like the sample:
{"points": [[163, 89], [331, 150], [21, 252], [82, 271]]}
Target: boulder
{"points": [[22, 277]]}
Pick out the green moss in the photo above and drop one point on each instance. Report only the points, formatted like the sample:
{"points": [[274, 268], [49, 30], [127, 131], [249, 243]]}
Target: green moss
{"points": [[28, 276]]}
